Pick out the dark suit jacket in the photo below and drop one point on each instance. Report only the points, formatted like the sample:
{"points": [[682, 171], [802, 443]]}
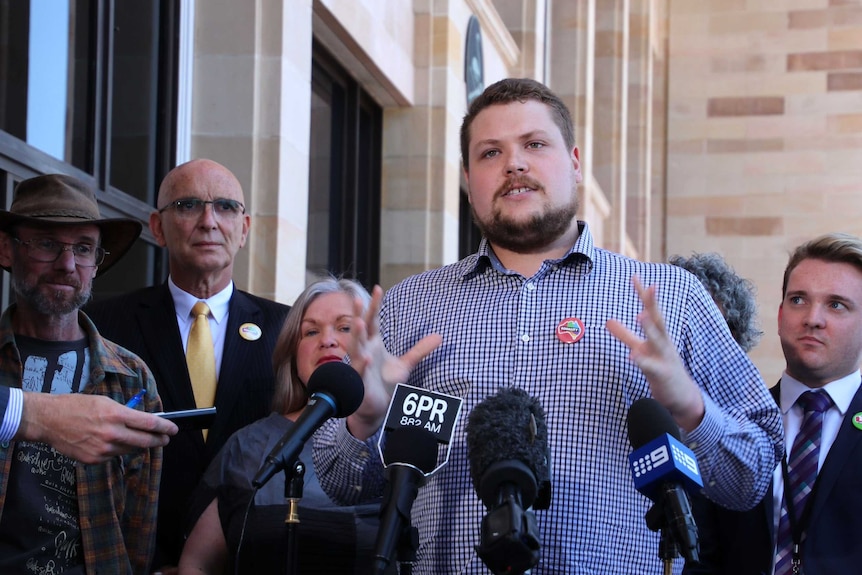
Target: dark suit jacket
{"points": [[145, 322], [740, 543]]}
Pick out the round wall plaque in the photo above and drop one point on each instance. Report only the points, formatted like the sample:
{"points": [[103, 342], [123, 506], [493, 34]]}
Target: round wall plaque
{"points": [[474, 67]]}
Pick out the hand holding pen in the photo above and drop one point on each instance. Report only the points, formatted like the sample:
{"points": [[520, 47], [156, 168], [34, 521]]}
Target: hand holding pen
{"points": [[136, 399], [91, 428]]}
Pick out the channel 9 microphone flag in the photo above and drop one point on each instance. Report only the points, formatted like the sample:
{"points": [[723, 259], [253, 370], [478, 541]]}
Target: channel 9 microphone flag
{"points": [[418, 420], [664, 470]]}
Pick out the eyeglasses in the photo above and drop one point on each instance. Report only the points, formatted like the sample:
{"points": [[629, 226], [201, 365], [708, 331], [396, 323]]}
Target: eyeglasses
{"points": [[192, 208], [46, 250]]}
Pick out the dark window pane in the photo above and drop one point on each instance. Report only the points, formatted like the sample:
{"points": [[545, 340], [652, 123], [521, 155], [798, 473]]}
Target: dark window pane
{"points": [[344, 168], [90, 84], [130, 272], [317, 255], [45, 76], [83, 88], [134, 97]]}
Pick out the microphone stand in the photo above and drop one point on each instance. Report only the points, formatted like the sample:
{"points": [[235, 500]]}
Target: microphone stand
{"points": [[293, 483], [408, 544], [656, 520], [667, 551], [509, 543], [405, 551]]}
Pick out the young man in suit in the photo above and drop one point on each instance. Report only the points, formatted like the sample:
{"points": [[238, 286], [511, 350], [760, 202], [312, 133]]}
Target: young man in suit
{"points": [[202, 221], [820, 327]]}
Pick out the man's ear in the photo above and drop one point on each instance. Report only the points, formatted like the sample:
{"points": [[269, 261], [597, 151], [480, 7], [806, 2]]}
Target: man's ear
{"points": [[156, 228], [780, 313], [6, 247], [576, 163], [246, 227], [467, 182]]}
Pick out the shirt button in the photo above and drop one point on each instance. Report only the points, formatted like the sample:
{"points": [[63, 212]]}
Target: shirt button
{"points": [[525, 338], [531, 286], [4, 444]]}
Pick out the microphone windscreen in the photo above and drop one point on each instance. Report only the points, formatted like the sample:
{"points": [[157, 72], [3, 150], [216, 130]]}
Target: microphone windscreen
{"points": [[508, 426], [340, 382], [647, 420], [412, 446]]}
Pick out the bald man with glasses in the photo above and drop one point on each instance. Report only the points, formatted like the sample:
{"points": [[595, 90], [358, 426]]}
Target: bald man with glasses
{"points": [[202, 221]]}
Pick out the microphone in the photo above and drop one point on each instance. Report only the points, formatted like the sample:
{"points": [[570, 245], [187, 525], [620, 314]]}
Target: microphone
{"points": [[409, 456], [662, 469], [417, 421], [336, 391], [507, 445]]}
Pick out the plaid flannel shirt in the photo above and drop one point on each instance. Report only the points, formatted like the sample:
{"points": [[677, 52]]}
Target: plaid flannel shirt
{"points": [[117, 500]]}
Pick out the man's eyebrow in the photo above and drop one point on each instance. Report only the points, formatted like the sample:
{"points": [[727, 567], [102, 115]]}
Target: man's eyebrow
{"points": [[532, 134]]}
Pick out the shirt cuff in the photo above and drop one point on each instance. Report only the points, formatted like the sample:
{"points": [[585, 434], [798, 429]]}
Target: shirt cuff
{"points": [[353, 448], [12, 417]]}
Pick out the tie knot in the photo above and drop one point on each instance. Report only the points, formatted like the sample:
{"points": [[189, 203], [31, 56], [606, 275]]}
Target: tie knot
{"points": [[201, 308], [814, 401]]}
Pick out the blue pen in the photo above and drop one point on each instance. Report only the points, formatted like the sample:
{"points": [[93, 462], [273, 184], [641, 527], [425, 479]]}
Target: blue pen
{"points": [[137, 398]]}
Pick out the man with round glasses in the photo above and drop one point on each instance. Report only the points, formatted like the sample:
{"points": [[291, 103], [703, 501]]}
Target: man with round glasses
{"points": [[200, 217], [47, 250], [79, 484]]}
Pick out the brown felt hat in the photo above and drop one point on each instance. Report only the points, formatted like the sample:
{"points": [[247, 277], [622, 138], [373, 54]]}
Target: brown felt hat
{"points": [[57, 199]]}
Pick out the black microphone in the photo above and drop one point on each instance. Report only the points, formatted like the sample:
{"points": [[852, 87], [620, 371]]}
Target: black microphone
{"points": [[336, 391], [507, 445], [409, 456], [661, 467]]}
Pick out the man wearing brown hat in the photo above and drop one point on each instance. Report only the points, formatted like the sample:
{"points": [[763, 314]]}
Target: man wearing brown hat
{"points": [[78, 487]]}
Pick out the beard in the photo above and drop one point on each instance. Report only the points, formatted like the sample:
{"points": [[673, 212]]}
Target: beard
{"points": [[53, 303], [531, 234]]}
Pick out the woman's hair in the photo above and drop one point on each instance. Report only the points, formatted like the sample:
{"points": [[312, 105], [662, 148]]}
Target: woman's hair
{"points": [[290, 393], [734, 296]]}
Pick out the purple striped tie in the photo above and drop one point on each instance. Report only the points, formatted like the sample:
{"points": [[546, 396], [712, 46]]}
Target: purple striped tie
{"points": [[801, 473]]}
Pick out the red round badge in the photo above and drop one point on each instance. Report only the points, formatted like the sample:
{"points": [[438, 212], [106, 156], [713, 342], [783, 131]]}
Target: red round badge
{"points": [[570, 330]]}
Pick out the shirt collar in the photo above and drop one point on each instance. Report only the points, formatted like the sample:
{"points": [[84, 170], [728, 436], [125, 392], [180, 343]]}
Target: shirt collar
{"points": [[841, 391], [582, 250], [218, 303]]}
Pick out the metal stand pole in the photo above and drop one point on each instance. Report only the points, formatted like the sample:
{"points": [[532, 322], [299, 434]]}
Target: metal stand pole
{"points": [[293, 482]]}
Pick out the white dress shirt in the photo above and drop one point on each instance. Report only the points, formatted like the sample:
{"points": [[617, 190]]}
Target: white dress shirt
{"points": [[218, 304], [841, 391]]}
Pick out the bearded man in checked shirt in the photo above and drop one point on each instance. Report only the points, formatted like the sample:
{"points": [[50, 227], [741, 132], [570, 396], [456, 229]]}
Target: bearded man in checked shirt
{"points": [[79, 484], [647, 329]]}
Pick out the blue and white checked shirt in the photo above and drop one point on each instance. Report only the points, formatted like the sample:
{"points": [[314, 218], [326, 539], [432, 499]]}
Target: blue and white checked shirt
{"points": [[499, 330]]}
